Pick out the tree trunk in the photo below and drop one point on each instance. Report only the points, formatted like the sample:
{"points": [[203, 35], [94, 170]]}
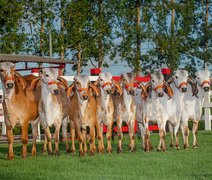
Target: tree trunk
{"points": [[100, 36], [138, 39], [79, 59], [206, 23], [62, 49], [41, 53], [172, 22]]}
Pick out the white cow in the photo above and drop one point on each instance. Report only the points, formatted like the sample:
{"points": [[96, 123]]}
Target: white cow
{"points": [[194, 104], [158, 106], [53, 105], [178, 83]]}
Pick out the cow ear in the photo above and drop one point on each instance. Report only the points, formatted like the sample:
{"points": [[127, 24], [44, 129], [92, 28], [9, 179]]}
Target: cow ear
{"points": [[21, 80], [34, 83], [70, 90], [168, 89], [94, 90], [148, 88], [116, 89], [193, 87], [63, 82]]}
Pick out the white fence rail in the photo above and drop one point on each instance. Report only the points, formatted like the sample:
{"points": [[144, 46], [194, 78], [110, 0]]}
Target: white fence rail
{"points": [[206, 117]]}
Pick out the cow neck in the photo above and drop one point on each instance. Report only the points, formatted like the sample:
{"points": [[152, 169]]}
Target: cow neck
{"points": [[200, 94], [82, 104], [104, 98], [46, 96], [127, 99]]}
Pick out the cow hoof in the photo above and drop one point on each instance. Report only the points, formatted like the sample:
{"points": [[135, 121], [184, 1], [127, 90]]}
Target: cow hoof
{"points": [[164, 150], [158, 150], [195, 147], [171, 145], [91, 153], [68, 150], [51, 153], [109, 151], [73, 151], [10, 157], [177, 147], [119, 150], [57, 153], [24, 156], [43, 151], [185, 146], [81, 154], [132, 150]]}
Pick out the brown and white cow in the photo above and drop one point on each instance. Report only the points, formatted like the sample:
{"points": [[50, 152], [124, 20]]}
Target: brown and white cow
{"points": [[53, 104], [20, 105], [105, 110], [124, 109], [82, 112]]}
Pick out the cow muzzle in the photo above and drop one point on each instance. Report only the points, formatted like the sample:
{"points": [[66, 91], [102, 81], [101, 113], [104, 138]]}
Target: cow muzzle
{"points": [[206, 89], [160, 94], [9, 85], [184, 89]]}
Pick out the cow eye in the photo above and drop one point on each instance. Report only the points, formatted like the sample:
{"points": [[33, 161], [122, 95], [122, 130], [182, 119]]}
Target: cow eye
{"points": [[101, 79], [1, 70], [153, 81], [176, 77], [77, 83], [47, 75]]}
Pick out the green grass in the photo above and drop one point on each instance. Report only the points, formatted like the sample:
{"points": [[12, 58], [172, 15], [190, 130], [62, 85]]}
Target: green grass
{"points": [[172, 164]]}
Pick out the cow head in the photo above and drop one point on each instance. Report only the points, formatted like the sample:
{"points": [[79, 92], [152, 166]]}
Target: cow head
{"points": [[180, 78], [105, 82], [7, 73], [203, 79], [127, 82], [157, 82], [49, 77]]}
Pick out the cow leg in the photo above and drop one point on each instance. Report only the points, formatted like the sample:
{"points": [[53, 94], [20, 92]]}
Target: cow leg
{"points": [[132, 136], [64, 133], [108, 136], [92, 140], [84, 133], [10, 139], [194, 130], [35, 135], [162, 141], [80, 138], [171, 134], [120, 135], [176, 134], [56, 139], [100, 137], [44, 144], [24, 138], [142, 131], [72, 131], [49, 138]]}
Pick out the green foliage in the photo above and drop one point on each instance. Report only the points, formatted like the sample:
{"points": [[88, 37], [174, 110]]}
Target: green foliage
{"points": [[11, 29]]}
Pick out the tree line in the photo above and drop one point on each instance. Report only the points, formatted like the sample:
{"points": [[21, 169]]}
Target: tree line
{"points": [[146, 33]]}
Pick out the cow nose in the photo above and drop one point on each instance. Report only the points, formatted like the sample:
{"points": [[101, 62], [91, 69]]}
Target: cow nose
{"points": [[10, 85], [132, 92], [56, 91], [184, 89], [85, 97], [108, 91], [206, 89], [160, 94]]}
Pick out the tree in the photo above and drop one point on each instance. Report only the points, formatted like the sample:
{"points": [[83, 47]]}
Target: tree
{"points": [[11, 30]]}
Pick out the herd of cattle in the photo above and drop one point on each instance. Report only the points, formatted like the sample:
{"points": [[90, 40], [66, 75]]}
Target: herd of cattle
{"points": [[48, 99]]}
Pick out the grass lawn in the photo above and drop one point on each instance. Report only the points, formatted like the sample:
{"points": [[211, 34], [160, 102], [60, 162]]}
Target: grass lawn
{"points": [[172, 164]]}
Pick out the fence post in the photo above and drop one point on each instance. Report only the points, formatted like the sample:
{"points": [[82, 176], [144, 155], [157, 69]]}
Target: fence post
{"points": [[207, 111], [35, 72]]}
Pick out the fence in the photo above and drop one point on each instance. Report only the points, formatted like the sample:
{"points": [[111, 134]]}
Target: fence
{"points": [[206, 117]]}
